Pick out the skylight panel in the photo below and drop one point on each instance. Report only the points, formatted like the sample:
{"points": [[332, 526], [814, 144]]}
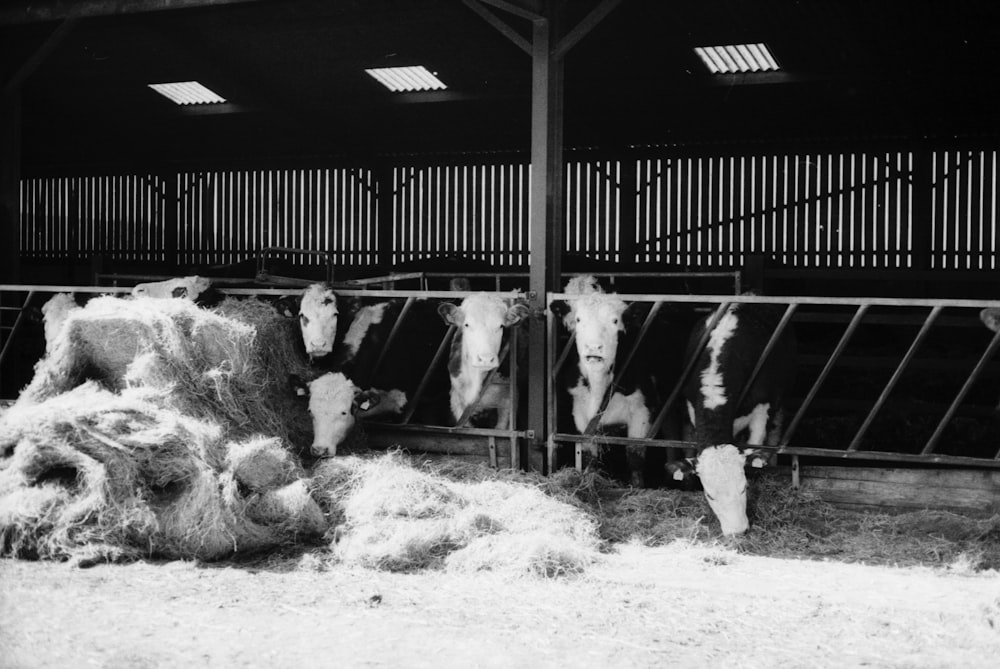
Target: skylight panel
{"points": [[188, 93], [406, 79], [737, 58]]}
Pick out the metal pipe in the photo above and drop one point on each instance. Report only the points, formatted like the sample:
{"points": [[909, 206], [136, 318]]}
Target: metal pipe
{"points": [[924, 330], [415, 400], [841, 345], [976, 372], [771, 343]]}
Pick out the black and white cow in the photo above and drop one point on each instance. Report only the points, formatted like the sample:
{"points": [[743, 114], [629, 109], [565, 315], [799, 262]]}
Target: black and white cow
{"points": [[481, 321], [716, 423], [605, 329], [198, 289], [335, 404], [358, 346]]}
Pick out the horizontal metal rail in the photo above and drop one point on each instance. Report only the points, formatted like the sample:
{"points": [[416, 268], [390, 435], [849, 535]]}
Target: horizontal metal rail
{"points": [[862, 313]]}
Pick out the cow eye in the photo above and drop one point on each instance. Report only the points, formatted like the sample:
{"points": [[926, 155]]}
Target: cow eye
{"points": [[615, 321], [710, 498], [343, 413]]}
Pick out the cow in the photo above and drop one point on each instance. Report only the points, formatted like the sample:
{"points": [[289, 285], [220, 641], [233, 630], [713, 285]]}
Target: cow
{"points": [[715, 421], [481, 321], [55, 312], [335, 404], [195, 288], [605, 328], [358, 345], [318, 318]]}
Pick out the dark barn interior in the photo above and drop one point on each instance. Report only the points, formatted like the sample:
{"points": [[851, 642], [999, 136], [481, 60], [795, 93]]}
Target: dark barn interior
{"points": [[572, 136]]}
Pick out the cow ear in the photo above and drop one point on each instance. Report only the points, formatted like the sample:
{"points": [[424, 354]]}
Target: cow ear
{"points": [[365, 400], [517, 311], [681, 469], [756, 459], [450, 313], [298, 385], [288, 306], [991, 318], [560, 308]]}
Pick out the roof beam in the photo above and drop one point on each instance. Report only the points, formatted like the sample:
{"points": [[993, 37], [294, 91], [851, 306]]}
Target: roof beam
{"points": [[55, 10], [39, 55]]}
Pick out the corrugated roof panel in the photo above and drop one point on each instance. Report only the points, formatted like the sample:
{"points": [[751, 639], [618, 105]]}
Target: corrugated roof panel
{"points": [[188, 93], [405, 79]]}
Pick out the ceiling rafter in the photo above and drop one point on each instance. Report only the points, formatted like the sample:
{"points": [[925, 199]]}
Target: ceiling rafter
{"points": [[55, 10]]}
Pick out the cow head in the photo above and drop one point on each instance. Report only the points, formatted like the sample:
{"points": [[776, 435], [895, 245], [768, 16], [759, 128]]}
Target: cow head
{"points": [[597, 319], [188, 287], [482, 318], [585, 284], [55, 311], [318, 319], [723, 476], [991, 318], [334, 403]]}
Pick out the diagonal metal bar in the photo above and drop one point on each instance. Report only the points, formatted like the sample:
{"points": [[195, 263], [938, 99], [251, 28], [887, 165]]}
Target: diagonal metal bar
{"points": [[688, 368], [771, 343], [904, 363], [950, 413], [18, 324], [396, 328], [841, 345], [596, 420], [418, 394]]}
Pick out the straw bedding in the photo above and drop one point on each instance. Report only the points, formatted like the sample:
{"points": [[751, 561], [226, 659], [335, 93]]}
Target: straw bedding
{"points": [[395, 516]]}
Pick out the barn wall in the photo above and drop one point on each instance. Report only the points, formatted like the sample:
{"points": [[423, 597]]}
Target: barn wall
{"points": [[872, 208]]}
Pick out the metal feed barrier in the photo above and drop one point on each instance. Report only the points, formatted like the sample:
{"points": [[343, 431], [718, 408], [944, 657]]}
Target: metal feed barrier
{"points": [[855, 314], [899, 312]]}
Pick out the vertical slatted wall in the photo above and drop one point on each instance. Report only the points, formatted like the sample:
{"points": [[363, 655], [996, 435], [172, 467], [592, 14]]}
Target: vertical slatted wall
{"points": [[226, 217], [476, 211], [817, 210], [965, 210], [121, 217], [668, 208]]}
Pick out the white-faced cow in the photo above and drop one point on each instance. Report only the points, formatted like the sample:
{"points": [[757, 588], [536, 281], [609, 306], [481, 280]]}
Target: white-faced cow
{"points": [[358, 345], [335, 404], [194, 288], [605, 328], [481, 321], [719, 420], [318, 317]]}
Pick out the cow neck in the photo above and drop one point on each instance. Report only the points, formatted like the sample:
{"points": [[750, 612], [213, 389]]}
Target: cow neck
{"points": [[598, 383], [466, 380]]}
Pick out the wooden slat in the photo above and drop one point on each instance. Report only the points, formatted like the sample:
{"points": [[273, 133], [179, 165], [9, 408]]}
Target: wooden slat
{"points": [[905, 488]]}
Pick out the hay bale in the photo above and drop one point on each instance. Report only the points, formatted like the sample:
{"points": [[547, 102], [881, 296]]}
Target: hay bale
{"points": [[291, 507], [262, 463], [229, 366], [401, 518], [115, 472]]}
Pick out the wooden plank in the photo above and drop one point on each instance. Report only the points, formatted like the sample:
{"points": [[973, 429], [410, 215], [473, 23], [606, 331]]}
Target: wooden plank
{"points": [[943, 478], [898, 496], [432, 442]]}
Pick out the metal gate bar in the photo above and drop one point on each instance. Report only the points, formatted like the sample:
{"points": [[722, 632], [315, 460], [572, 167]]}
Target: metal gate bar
{"points": [[859, 314], [973, 377], [771, 343], [904, 363]]}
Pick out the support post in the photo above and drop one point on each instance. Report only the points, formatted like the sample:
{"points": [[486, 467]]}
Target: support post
{"points": [[547, 189], [10, 179]]}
